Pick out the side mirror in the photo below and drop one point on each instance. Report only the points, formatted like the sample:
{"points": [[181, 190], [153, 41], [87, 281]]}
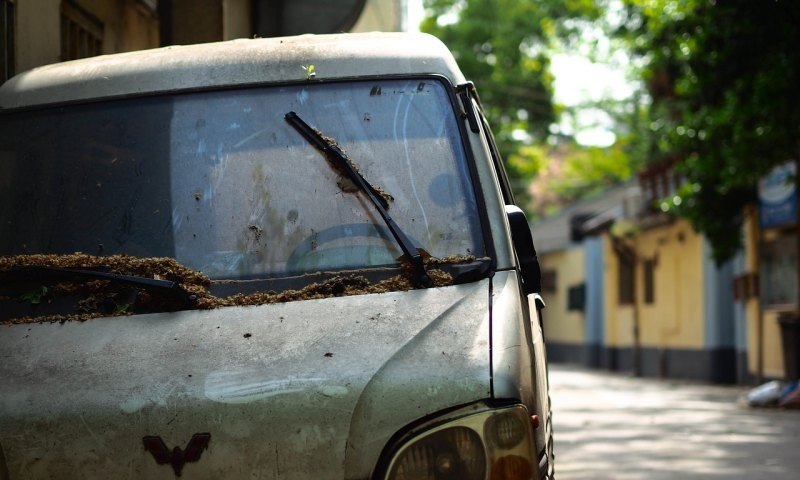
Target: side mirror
{"points": [[526, 253]]}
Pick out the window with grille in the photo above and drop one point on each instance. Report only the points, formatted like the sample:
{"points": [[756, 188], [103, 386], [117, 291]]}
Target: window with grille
{"points": [[81, 33], [7, 23], [576, 298]]}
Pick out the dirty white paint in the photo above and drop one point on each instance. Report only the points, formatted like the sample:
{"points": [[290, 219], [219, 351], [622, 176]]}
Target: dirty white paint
{"points": [[246, 386], [82, 395], [133, 404], [333, 390], [244, 61]]}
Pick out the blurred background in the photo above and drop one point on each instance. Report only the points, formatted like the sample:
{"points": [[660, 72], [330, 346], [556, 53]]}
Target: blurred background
{"points": [[652, 143]]}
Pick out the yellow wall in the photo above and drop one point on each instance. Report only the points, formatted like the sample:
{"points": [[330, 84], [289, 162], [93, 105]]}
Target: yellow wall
{"points": [[675, 319], [38, 40], [139, 28], [236, 19], [752, 307], [563, 326], [198, 22], [127, 26], [767, 343], [379, 15], [773, 349], [618, 318]]}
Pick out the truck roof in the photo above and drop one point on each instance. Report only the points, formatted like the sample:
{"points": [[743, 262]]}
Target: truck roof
{"points": [[230, 63]]}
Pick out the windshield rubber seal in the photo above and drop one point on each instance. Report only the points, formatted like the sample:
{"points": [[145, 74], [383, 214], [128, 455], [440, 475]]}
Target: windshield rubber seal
{"points": [[480, 196]]}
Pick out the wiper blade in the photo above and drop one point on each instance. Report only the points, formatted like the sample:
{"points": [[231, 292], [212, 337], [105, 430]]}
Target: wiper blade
{"points": [[35, 272], [420, 277]]}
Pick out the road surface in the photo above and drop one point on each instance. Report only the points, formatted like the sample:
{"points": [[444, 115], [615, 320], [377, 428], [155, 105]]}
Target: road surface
{"points": [[612, 426]]}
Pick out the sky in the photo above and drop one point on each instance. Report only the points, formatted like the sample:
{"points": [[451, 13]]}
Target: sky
{"points": [[577, 80]]}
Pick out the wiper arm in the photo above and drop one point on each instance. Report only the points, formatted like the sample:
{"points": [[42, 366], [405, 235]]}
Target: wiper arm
{"points": [[172, 289], [420, 277]]}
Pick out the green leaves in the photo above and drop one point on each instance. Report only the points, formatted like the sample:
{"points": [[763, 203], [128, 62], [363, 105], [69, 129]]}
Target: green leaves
{"points": [[723, 77], [311, 71], [35, 297], [587, 170], [122, 308], [503, 46]]}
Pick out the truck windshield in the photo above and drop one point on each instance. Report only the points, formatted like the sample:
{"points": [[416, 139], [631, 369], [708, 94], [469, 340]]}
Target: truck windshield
{"points": [[221, 183]]}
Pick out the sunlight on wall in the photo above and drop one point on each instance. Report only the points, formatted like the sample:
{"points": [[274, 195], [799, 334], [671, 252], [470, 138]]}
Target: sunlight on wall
{"points": [[561, 325]]}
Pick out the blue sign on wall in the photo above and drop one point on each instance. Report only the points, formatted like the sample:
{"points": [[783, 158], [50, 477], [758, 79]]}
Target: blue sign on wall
{"points": [[777, 197]]}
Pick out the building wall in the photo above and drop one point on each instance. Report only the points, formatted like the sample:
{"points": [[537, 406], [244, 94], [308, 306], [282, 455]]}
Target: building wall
{"points": [[127, 26], [687, 330], [763, 336], [772, 346], [743, 373], [38, 39], [676, 317], [196, 22], [560, 325], [237, 20], [138, 28], [694, 327], [619, 318], [751, 306], [719, 311], [594, 267], [382, 16]]}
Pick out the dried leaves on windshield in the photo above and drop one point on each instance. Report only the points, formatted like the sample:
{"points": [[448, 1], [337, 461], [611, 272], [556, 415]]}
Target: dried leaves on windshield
{"points": [[345, 183], [83, 300]]}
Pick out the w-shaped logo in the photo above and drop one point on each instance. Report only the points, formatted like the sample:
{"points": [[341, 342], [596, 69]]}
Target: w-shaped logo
{"points": [[177, 457]]}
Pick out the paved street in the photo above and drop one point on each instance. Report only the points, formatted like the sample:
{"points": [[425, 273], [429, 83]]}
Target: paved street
{"points": [[612, 426]]}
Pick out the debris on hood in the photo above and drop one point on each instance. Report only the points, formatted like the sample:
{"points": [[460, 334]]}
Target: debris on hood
{"points": [[103, 298]]}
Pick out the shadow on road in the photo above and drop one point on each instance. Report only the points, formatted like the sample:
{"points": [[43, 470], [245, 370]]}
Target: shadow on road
{"points": [[618, 427]]}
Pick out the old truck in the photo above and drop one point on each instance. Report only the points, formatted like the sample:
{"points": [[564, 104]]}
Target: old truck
{"points": [[264, 258]]}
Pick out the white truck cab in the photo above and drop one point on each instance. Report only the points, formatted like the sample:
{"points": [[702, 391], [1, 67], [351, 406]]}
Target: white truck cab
{"points": [[279, 258]]}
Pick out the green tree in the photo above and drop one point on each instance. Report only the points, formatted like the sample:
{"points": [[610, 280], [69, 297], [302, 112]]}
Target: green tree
{"points": [[724, 77], [589, 170], [503, 46]]}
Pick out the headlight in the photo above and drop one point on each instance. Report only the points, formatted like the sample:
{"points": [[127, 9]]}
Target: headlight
{"points": [[494, 444]]}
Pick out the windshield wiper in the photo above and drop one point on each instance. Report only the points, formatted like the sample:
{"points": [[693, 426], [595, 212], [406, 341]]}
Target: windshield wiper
{"points": [[420, 278], [41, 273]]}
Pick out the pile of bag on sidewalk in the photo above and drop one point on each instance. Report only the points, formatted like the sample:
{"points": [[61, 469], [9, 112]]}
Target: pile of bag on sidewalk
{"points": [[775, 394]]}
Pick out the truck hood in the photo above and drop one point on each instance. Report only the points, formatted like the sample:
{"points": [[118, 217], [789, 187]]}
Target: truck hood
{"points": [[297, 390]]}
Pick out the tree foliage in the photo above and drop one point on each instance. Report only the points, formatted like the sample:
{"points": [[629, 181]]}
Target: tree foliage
{"points": [[573, 172], [502, 46], [590, 169], [724, 77]]}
